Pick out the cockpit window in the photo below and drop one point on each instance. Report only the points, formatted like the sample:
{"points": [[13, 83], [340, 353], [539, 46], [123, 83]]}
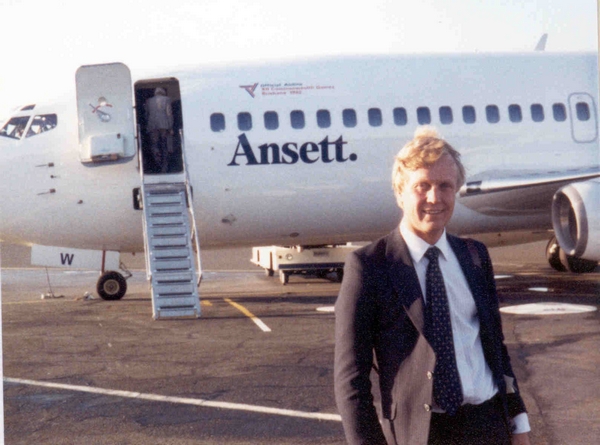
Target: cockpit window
{"points": [[27, 107], [15, 127], [40, 124]]}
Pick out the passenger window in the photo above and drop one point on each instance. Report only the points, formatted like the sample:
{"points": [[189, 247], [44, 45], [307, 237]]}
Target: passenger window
{"points": [[446, 115], [423, 115], [560, 112], [468, 112], [583, 111], [349, 117], [244, 121], [537, 113], [400, 117], [297, 119], [514, 113], [41, 124], [217, 122], [15, 127], [271, 120], [323, 119], [375, 117], [492, 113]]}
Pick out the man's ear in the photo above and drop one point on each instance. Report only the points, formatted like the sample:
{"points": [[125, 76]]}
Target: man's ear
{"points": [[399, 200]]}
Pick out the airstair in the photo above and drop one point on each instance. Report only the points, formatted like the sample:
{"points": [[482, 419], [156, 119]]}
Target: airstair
{"points": [[171, 242]]}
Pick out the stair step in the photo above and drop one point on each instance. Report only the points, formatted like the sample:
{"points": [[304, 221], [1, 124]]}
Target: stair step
{"points": [[174, 265], [169, 241], [170, 252], [164, 289], [158, 221], [154, 212], [162, 200], [160, 231], [179, 229], [176, 313], [156, 189], [176, 301], [173, 277]]}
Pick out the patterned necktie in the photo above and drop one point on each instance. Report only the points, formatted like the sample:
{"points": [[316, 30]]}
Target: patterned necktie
{"points": [[447, 391]]}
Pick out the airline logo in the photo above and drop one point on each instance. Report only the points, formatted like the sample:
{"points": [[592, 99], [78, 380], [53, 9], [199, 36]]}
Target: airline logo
{"points": [[287, 89], [250, 89], [102, 115], [325, 151]]}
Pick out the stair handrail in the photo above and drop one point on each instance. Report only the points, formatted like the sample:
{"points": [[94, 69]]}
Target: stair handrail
{"points": [[142, 194], [190, 203]]}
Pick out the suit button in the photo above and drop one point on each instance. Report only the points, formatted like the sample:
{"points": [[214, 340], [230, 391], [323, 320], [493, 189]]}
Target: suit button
{"points": [[427, 407], [429, 375]]}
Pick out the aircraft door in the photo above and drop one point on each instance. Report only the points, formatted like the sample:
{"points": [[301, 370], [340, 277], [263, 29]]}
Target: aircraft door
{"points": [[105, 112], [584, 121]]}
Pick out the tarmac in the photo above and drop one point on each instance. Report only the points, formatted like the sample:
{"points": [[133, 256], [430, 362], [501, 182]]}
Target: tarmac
{"points": [[256, 368]]}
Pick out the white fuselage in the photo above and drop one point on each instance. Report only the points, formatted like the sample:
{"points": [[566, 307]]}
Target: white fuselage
{"points": [[313, 185]]}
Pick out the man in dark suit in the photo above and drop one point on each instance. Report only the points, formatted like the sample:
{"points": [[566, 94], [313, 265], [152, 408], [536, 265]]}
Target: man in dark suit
{"points": [[159, 125], [419, 306]]}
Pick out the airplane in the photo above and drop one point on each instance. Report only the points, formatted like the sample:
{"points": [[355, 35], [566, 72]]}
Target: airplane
{"points": [[300, 153]]}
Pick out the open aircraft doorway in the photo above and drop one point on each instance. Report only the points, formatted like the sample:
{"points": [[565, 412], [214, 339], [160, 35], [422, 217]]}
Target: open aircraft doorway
{"points": [[160, 142]]}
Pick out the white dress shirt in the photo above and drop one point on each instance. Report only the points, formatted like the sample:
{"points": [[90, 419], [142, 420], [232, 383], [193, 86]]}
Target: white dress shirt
{"points": [[475, 375]]}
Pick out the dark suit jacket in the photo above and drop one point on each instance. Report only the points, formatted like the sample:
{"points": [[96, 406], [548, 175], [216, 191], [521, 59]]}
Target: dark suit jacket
{"points": [[379, 315]]}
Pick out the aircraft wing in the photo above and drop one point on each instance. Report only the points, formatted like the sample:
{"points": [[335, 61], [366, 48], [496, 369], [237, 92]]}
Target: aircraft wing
{"points": [[514, 193]]}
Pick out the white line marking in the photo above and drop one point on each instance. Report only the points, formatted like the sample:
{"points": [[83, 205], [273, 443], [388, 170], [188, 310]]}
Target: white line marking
{"points": [[547, 309], [500, 277], [250, 315], [181, 400], [261, 325]]}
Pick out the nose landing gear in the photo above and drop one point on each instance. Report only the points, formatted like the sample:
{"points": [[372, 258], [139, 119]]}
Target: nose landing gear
{"points": [[111, 285]]}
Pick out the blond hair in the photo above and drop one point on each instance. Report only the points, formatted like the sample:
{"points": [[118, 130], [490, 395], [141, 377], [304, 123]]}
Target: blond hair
{"points": [[425, 149]]}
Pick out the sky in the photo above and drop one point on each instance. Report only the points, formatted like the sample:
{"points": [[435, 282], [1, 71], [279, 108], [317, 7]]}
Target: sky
{"points": [[44, 42]]}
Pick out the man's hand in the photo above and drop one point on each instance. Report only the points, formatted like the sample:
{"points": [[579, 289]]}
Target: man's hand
{"points": [[521, 439]]}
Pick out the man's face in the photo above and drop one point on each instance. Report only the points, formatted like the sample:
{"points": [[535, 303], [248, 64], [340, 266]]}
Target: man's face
{"points": [[427, 199]]}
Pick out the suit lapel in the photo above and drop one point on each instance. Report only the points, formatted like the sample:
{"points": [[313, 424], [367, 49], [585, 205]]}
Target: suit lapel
{"points": [[404, 278]]}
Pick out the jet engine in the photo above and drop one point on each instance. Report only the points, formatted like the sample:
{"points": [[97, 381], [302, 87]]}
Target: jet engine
{"points": [[576, 222]]}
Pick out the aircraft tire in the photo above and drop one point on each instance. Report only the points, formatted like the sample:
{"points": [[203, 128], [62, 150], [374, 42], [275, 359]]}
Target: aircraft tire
{"points": [[284, 277], [553, 255], [111, 286], [269, 272], [321, 273], [577, 265]]}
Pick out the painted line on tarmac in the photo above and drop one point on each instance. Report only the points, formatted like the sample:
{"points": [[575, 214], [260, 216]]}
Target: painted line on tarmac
{"points": [[548, 308], [180, 400], [250, 315], [501, 277], [38, 301]]}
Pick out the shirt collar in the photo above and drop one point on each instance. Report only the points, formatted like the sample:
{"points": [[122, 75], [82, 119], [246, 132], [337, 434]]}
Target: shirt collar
{"points": [[417, 246]]}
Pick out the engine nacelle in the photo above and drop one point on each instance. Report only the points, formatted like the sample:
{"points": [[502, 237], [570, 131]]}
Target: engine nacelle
{"points": [[576, 219]]}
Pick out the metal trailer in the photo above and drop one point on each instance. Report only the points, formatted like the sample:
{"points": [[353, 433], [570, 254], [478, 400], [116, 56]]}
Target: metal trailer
{"points": [[318, 260]]}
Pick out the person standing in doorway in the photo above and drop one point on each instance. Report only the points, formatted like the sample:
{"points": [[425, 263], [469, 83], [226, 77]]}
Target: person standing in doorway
{"points": [[159, 126]]}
